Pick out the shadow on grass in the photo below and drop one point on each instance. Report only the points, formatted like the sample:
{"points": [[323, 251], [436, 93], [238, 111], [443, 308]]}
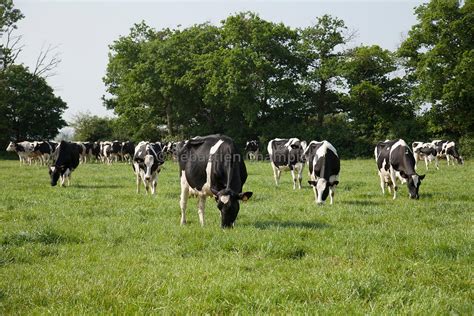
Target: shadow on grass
{"points": [[289, 224], [97, 186], [362, 202]]}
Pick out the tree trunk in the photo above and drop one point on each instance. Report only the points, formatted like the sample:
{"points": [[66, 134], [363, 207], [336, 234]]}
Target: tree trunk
{"points": [[322, 102]]}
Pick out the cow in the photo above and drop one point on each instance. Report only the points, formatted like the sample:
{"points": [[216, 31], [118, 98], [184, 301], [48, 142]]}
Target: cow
{"points": [[92, 150], [287, 154], [447, 149], [66, 161], [172, 148], [211, 166], [426, 152], [115, 151], [324, 167], [147, 161], [44, 150], [82, 152], [395, 159], [105, 152], [23, 149], [252, 149], [128, 150]]}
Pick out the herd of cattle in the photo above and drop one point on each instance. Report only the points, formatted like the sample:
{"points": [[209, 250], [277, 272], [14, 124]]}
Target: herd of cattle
{"points": [[212, 166]]}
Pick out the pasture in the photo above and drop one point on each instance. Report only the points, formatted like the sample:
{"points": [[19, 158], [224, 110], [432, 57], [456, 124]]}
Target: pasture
{"points": [[98, 247]]}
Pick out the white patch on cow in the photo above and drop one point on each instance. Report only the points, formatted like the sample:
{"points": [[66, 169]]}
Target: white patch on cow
{"points": [[416, 180], [333, 178], [269, 148], [400, 142], [224, 198], [206, 188], [320, 186]]}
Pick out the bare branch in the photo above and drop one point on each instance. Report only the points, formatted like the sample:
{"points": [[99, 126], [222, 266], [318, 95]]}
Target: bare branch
{"points": [[44, 66]]}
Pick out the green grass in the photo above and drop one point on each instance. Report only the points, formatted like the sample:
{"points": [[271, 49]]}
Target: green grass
{"points": [[98, 247]]}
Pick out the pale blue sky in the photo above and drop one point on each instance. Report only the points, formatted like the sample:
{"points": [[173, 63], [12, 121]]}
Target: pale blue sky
{"points": [[84, 29]]}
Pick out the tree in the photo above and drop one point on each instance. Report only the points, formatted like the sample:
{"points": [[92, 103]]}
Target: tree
{"points": [[29, 110], [378, 100], [437, 54], [321, 49], [92, 127], [9, 16]]}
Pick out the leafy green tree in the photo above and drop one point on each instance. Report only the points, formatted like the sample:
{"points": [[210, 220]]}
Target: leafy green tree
{"points": [[377, 102], [321, 48], [92, 127], [438, 55], [9, 16], [29, 110]]}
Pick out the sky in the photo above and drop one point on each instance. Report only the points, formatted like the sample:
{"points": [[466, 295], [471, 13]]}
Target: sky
{"points": [[82, 31]]}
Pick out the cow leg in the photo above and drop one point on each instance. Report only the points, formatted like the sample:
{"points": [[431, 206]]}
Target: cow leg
{"points": [[201, 207], [332, 190], [183, 198], [300, 177], [382, 183], [448, 159], [437, 163], [276, 173], [315, 194], [154, 182], [294, 178], [393, 178], [426, 162]]}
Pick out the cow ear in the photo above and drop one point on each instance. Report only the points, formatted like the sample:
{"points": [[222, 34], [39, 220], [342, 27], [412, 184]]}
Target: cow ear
{"points": [[245, 196], [313, 183], [403, 174], [422, 177], [214, 191]]}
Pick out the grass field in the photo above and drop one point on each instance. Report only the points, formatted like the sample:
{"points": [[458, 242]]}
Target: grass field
{"points": [[98, 247]]}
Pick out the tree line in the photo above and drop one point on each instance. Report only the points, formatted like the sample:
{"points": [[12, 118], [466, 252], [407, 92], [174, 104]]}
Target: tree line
{"points": [[252, 78], [255, 79]]}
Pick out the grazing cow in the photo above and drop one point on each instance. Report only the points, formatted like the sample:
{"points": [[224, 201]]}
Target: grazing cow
{"points": [[115, 151], [66, 161], [24, 151], [426, 152], [252, 149], [212, 166], [287, 154], [395, 159], [92, 150], [44, 150], [147, 160], [324, 166], [447, 149], [128, 150]]}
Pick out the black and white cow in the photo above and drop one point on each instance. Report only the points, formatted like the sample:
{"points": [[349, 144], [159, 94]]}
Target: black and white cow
{"points": [[287, 154], [252, 149], [128, 150], [447, 149], [426, 152], [395, 159], [212, 166], [324, 167], [44, 150], [106, 151], [92, 150], [82, 152], [147, 161], [23, 149], [66, 161]]}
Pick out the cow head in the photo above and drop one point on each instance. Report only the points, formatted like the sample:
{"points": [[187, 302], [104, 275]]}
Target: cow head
{"points": [[11, 147], [228, 203], [413, 184], [54, 173], [322, 186]]}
